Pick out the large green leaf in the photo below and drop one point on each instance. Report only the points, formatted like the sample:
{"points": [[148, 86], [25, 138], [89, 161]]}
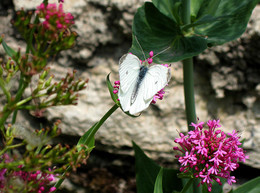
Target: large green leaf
{"points": [[157, 32], [253, 186], [147, 171], [213, 22]]}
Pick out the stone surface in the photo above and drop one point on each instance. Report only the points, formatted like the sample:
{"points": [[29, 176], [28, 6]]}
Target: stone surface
{"points": [[227, 83]]}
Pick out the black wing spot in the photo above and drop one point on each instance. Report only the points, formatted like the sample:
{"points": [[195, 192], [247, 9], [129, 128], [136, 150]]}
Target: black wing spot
{"points": [[156, 81], [126, 72]]}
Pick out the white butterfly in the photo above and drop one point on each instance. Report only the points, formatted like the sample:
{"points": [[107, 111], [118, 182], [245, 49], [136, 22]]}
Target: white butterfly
{"points": [[139, 83]]}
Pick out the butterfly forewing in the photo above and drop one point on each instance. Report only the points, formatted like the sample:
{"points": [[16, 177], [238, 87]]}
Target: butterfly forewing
{"points": [[128, 71]]}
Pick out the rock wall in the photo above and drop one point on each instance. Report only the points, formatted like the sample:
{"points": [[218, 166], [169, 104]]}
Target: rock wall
{"points": [[227, 82]]}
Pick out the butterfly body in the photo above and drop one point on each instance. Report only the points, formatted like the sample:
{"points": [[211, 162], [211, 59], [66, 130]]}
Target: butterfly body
{"points": [[142, 73], [139, 83]]}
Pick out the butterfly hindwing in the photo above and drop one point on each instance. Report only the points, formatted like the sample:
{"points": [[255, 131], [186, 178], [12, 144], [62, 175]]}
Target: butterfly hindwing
{"points": [[139, 104], [156, 79]]}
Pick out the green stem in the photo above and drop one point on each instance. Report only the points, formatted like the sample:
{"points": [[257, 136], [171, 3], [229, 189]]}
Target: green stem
{"points": [[94, 130], [189, 91], [188, 80], [98, 125], [3, 119], [28, 99], [188, 73], [186, 12], [20, 86], [6, 92], [11, 147]]}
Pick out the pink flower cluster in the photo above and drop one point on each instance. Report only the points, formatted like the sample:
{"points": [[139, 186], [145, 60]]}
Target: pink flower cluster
{"points": [[54, 16], [116, 86], [39, 181], [210, 153], [159, 95]]}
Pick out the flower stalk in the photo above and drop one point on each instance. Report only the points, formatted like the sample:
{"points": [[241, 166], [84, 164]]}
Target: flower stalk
{"points": [[86, 141]]}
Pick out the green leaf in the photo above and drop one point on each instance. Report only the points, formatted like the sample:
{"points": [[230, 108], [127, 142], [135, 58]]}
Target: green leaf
{"points": [[231, 28], [168, 8], [111, 89], [147, 171], [208, 7], [158, 182], [205, 20], [9, 51], [157, 32], [253, 186], [83, 139], [157, 27], [195, 7]]}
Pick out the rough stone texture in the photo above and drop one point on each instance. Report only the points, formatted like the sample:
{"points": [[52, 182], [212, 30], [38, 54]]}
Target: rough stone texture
{"points": [[227, 83]]}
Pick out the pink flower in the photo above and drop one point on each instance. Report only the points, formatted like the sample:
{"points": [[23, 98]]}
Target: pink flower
{"points": [[55, 17], [210, 154]]}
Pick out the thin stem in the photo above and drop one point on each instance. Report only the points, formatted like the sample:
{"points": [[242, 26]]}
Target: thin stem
{"points": [[98, 125], [20, 85], [189, 91], [11, 147], [6, 92], [3, 119], [87, 141]]}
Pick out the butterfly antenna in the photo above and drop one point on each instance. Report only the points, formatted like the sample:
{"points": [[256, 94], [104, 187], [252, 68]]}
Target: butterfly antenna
{"points": [[140, 47], [161, 51]]}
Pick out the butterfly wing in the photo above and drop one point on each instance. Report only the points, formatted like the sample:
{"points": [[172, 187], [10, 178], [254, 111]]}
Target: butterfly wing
{"points": [[129, 68], [156, 78], [139, 104]]}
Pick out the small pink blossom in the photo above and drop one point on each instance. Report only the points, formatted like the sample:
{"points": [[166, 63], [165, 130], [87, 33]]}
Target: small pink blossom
{"points": [[55, 17], [39, 180], [209, 154]]}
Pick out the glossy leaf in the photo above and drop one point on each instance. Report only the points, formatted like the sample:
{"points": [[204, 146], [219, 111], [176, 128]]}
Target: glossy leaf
{"points": [[157, 32], [147, 171], [253, 186], [222, 31], [214, 22], [168, 8]]}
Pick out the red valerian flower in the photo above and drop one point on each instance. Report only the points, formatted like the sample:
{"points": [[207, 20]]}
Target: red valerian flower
{"points": [[208, 154]]}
